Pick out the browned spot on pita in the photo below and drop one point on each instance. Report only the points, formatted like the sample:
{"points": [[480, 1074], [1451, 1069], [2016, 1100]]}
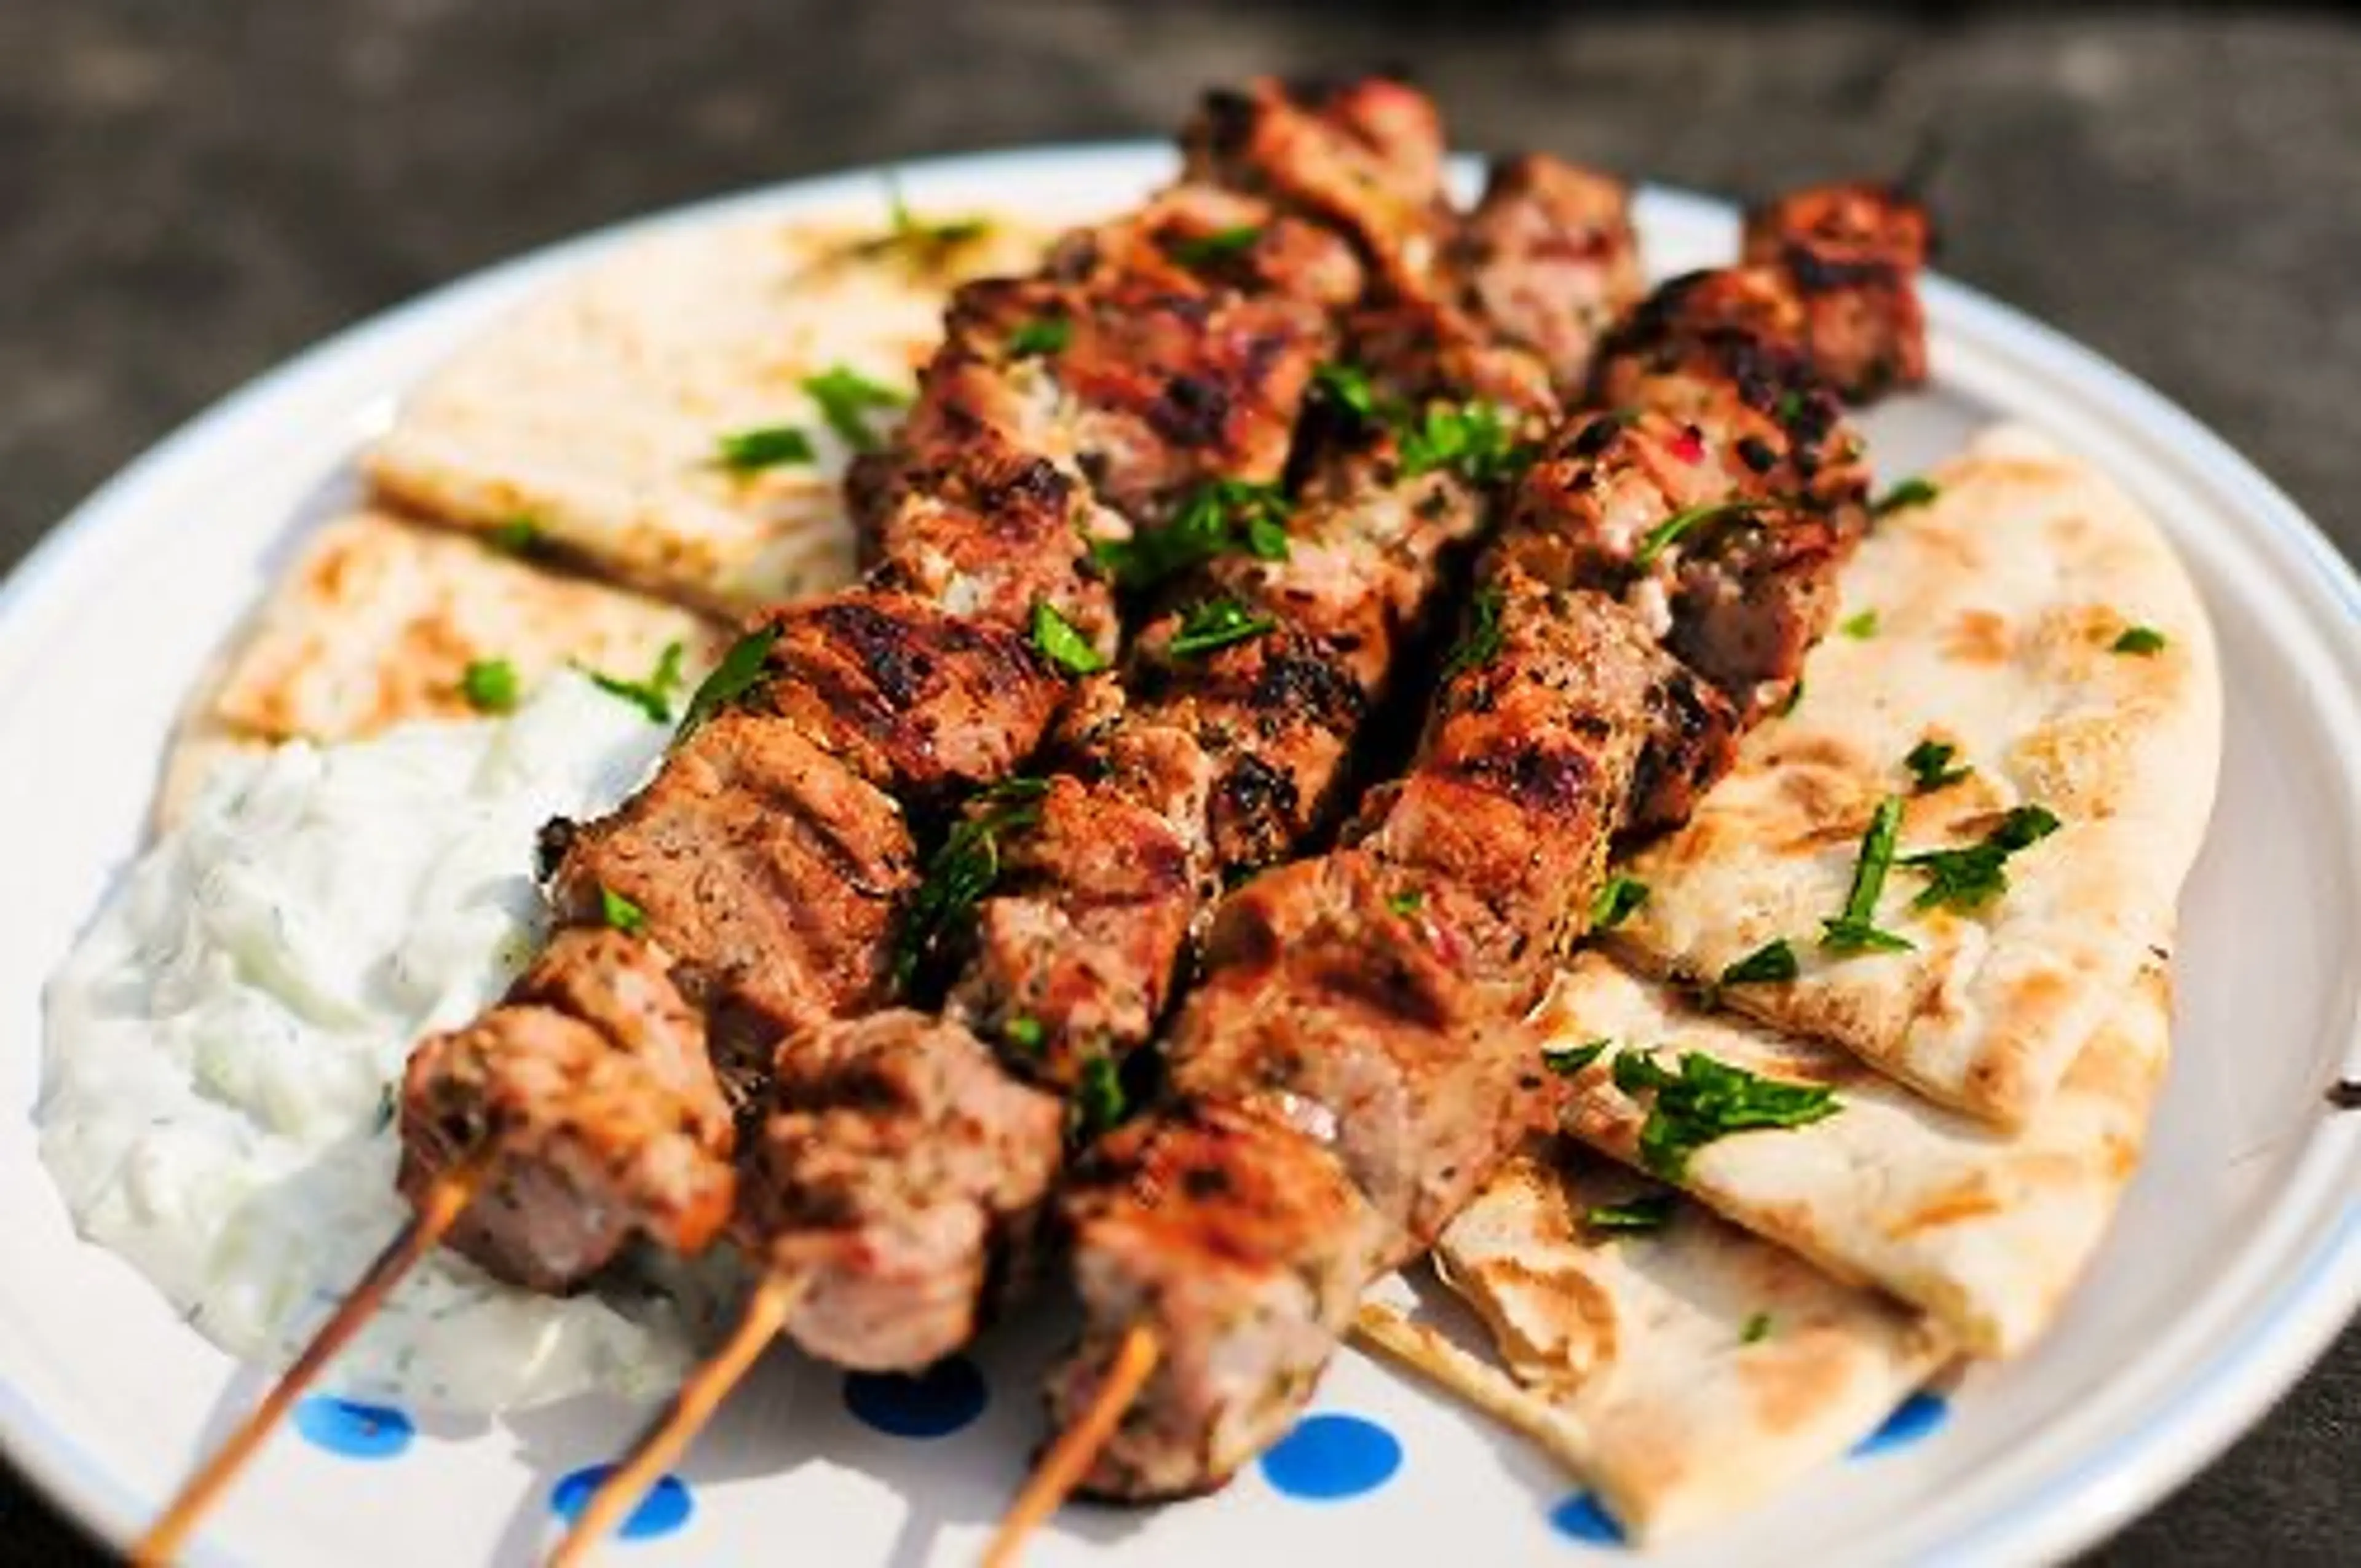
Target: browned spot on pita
{"points": [[1806, 750], [1553, 1326], [2110, 1069], [1978, 637], [1970, 1200], [1788, 1380], [1824, 804]]}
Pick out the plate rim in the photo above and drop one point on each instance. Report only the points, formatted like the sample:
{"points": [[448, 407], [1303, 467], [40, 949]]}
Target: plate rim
{"points": [[2283, 1323]]}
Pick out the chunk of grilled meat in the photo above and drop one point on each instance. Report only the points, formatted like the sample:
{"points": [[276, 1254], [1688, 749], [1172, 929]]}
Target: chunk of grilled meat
{"points": [[1220, 749], [768, 861], [1550, 261], [1362, 1030], [1853, 253]]}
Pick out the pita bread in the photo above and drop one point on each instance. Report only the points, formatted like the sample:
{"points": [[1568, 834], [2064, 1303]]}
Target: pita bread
{"points": [[377, 623], [1985, 1229], [595, 412], [1682, 1374], [1998, 607]]}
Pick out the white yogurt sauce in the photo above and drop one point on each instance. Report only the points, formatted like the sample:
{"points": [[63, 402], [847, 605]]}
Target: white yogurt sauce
{"points": [[222, 1045]]}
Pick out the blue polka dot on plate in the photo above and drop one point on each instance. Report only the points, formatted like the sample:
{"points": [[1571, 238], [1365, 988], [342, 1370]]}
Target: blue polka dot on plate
{"points": [[352, 1430], [1581, 1518], [664, 1510], [1911, 1420], [1327, 1457], [933, 1403]]}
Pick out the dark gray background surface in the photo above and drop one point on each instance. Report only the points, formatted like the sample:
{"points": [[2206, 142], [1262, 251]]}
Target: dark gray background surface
{"points": [[191, 189]]}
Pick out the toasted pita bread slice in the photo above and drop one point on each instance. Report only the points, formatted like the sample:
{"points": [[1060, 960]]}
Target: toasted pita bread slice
{"points": [[2033, 619], [1684, 1373], [595, 415], [378, 619], [1986, 1230]]}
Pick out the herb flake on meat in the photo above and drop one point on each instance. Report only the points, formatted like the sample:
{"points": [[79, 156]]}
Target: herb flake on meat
{"points": [[1216, 624], [1706, 1099], [962, 870], [1063, 644], [739, 672], [1480, 643], [1662, 537], [620, 913], [1221, 244], [1047, 335], [1470, 439], [1099, 1103], [1223, 517]]}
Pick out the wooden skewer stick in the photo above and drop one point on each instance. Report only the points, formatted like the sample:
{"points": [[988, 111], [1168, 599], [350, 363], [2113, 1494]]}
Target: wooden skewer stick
{"points": [[766, 1312], [1077, 1448], [444, 1201]]}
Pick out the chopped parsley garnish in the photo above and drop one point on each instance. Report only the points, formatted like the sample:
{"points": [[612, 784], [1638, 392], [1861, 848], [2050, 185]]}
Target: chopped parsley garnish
{"points": [[1773, 961], [1049, 334], [1408, 902], [1856, 931], [739, 672], [1789, 408], [1908, 493], [1708, 1100], [1617, 901], [1207, 250], [1795, 696], [489, 685], [921, 240], [515, 535], [1640, 1216], [651, 696], [1470, 439], [1480, 643], [1929, 762], [751, 451], [1026, 1034], [963, 870], [1972, 877], [385, 1104], [1217, 624], [1860, 628], [1062, 644], [1224, 517], [847, 399], [2139, 639], [1659, 539], [620, 913], [1568, 1060], [1099, 1103], [1757, 1329], [1347, 386]]}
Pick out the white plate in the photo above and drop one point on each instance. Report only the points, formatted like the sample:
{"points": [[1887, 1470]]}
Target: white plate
{"points": [[2237, 1256]]}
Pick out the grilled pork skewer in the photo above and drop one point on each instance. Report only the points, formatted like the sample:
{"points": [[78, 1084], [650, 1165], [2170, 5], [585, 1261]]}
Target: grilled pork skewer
{"points": [[751, 889], [1356, 1060]]}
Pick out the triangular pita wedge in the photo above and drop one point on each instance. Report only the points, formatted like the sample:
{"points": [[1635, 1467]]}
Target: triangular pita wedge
{"points": [[1684, 1374], [595, 412], [378, 621], [2034, 619], [1986, 1230]]}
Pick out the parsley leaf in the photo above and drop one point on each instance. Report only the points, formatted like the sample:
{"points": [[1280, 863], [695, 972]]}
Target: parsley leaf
{"points": [[1640, 1216], [846, 399], [516, 535], [1773, 961], [1972, 877], [739, 672], [1659, 539], [1223, 517], [1024, 1032], [1929, 762], [1099, 1103], [751, 451], [921, 240], [1408, 902], [962, 870], [1707, 1099], [1470, 439], [1860, 628], [1347, 386], [1617, 901], [1908, 493], [1480, 643], [1795, 696], [620, 913], [1757, 1329], [651, 696], [1063, 645], [1221, 244], [489, 685], [1856, 931], [1568, 1060], [1217, 624], [1047, 335], [2142, 641]]}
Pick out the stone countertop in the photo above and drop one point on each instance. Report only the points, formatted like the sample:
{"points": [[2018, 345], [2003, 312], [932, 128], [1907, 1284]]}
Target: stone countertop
{"points": [[189, 194]]}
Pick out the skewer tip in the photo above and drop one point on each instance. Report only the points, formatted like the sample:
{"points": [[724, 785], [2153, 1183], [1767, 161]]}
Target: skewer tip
{"points": [[1078, 1447]]}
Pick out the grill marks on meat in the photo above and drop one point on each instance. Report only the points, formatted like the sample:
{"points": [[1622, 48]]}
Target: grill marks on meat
{"points": [[769, 859], [1853, 253], [1362, 1032], [1551, 261]]}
